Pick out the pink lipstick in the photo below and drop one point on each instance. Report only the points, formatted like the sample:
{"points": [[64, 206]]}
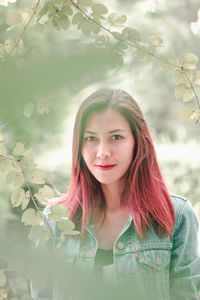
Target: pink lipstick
{"points": [[105, 167]]}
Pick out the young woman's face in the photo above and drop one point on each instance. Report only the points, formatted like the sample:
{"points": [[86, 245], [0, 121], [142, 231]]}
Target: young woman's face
{"points": [[108, 146]]}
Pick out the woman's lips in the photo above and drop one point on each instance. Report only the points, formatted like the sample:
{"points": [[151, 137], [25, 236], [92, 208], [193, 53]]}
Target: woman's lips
{"points": [[105, 167]]}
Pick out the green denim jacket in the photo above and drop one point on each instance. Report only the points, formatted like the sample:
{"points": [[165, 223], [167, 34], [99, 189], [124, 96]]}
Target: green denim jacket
{"points": [[159, 268]]}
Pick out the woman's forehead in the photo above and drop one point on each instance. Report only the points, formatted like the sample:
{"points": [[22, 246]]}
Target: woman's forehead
{"points": [[109, 120]]}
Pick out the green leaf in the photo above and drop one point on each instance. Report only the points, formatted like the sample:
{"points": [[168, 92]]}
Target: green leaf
{"points": [[58, 211], [182, 75], [131, 35], [15, 178], [86, 27], [64, 22], [37, 233], [17, 197], [2, 279], [117, 20], [190, 61], [26, 200], [196, 116], [19, 150], [5, 165], [56, 23], [38, 176], [44, 194], [30, 217], [77, 18], [39, 27], [102, 41], [185, 112], [9, 45], [99, 8], [28, 108], [85, 2], [174, 62], [14, 18], [43, 103], [95, 28], [67, 10], [197, 78], [2, 50], [2, 150], [155, 41], [20, 47], [188, 94], [180, 90], [65, 225], [27, 162]]}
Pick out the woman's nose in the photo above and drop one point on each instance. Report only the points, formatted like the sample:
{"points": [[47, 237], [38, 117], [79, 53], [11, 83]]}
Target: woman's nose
{"points": [[103, 151]]}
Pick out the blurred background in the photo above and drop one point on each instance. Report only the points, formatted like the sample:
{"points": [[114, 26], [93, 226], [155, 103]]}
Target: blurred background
{"points": [[66, 66]]}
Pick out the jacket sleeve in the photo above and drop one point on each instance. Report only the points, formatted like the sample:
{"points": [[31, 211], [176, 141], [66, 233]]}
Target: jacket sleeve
{"points": [[185, 256]]}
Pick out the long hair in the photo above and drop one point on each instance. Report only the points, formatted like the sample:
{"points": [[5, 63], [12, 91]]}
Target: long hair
{"points": [[145, 192]]}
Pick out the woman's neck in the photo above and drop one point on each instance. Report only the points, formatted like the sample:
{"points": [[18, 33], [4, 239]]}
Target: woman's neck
{"points": [[112, 194]]}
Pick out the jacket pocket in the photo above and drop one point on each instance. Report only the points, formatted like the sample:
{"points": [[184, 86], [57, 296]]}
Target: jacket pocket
{"points": [[154, 272], [155, 258]]}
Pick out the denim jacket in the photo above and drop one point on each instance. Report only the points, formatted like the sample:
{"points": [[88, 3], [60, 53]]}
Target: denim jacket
{"points": [[160, 268]]}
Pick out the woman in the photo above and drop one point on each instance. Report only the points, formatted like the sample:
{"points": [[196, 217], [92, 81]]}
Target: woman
{"points": [[132, 230]]}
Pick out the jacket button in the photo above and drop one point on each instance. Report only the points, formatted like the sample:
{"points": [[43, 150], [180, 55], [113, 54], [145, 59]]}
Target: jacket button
{"points": [[120, 245]]}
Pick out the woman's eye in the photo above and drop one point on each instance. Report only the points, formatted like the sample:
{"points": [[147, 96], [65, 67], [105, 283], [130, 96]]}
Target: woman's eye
{"points": [[117, 137], [89, 138]]}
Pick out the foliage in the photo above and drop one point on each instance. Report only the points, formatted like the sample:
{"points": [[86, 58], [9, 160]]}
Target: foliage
{"points": [[106, 31], [93, 19]]}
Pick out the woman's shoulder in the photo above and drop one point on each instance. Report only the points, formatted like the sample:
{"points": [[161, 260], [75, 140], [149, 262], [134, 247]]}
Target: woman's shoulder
{"points": [[184, 212]]}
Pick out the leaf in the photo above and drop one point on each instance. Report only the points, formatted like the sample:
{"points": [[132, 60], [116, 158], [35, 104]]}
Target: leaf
{"points": [[197, 78], [30, 217], [27, 162], [64, 22], [181, 76], [5, 164], [188, 94], [95, 28], [67, 10], [15, 178], [37, 233], [86, 27], [17, 197], [19, 150], [2, 279], [58, 211], [189, 61], [131, 35], [2, 150], [39, 27], [28, 109], [20, 47], [180, 90], [155, 41], [173, 61], [56, 23], [38, 176], [77, 18], [186, 111], [26, 200], [99, 8], [44, 194], [85, 2], [43, 106], [2, 50], [117, 20], [65, 225], [14, 18], [102, 41], [9, 46]]}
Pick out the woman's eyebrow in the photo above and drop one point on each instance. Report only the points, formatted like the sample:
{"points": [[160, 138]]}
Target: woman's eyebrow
{"points": [[112, 131]]}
